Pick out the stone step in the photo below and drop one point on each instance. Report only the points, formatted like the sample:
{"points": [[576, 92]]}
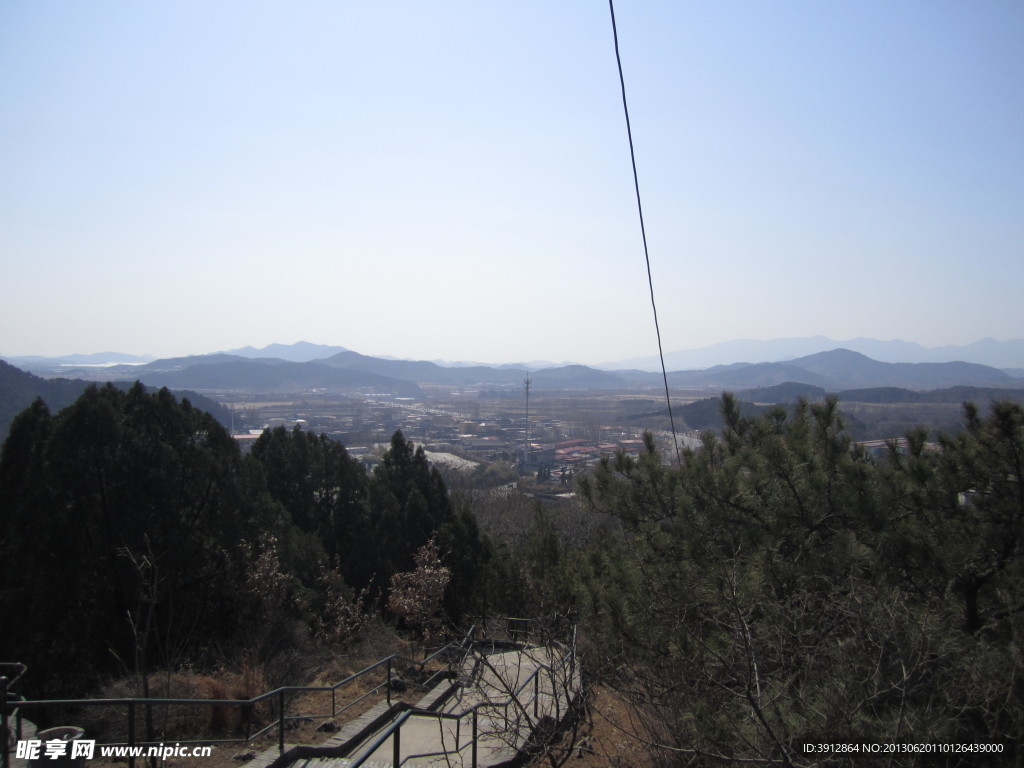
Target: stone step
{"points": [[502, 731]]}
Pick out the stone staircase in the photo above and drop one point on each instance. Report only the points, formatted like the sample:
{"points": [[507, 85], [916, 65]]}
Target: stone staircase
{"points": [[515, 693]]}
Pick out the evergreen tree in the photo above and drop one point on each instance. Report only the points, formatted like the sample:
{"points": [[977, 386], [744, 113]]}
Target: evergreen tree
{"points": [[324, 491], [780, 588], [409, 502], [115, 480]]}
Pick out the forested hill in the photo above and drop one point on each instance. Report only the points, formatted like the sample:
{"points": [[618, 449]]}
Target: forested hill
{"points": [[135, 504], [19, 388]]}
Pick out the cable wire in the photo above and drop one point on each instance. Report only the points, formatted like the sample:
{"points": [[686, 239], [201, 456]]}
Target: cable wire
{"points": [[643, 230]]}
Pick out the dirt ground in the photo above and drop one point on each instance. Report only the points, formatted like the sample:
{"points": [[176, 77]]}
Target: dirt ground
{"points": [[604, 740]]}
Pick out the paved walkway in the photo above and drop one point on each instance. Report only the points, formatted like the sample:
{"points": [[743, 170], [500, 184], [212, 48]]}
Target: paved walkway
{"points": [[504, 722], [28, 731]]}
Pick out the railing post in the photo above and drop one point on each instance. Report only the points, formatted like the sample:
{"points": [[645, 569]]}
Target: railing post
{"points": [[536, 691], [334, 706], [474, 738], [572, 657], [280, 721], [131, 733], [388, 686], [4, 682], [149, 729], [396, 759]]}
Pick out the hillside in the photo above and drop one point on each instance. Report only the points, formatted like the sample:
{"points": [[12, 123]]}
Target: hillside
{"points": [[274, 376], [18, 390], [848, 369]]}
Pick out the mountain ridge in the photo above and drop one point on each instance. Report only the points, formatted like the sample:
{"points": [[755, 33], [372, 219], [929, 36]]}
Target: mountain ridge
{"points": [[835, 369], [1008, 354], [840, 371], [987, 351]]}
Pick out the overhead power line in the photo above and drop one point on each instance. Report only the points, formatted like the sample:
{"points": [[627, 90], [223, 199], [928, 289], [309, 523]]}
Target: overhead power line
{"points": [[643, 230]]}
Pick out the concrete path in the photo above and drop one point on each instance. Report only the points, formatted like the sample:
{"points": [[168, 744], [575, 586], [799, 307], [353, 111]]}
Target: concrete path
{"points": [[504, 722], [28, 731]]}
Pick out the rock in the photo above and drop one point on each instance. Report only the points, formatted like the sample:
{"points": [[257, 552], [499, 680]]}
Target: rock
{"points": [[398, 685], [297, 722]]}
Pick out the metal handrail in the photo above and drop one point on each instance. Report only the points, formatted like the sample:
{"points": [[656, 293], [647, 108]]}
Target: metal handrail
{"points": [[278, 695], [514, 696], [396, 726], [13, 671]]}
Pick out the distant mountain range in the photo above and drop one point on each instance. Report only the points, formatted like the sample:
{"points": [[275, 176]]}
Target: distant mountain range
{"points": [[284, 369], [299, 352], [998, 354], [853, 375], [842, 369]]}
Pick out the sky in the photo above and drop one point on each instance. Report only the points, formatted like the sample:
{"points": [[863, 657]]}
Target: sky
{"points": [[452, 180]]}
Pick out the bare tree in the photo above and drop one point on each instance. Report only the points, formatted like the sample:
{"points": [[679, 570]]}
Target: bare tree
{"points": [[531, 699]]}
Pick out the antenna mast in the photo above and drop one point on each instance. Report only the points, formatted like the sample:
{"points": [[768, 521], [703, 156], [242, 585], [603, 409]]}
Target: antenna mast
{"points": [[526, 443]]}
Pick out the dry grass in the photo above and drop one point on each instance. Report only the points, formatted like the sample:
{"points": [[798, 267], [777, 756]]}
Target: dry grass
{"points": [[307, 711]]}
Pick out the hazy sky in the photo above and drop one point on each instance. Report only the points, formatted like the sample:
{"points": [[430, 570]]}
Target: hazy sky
{"points": [[451, 179]]}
